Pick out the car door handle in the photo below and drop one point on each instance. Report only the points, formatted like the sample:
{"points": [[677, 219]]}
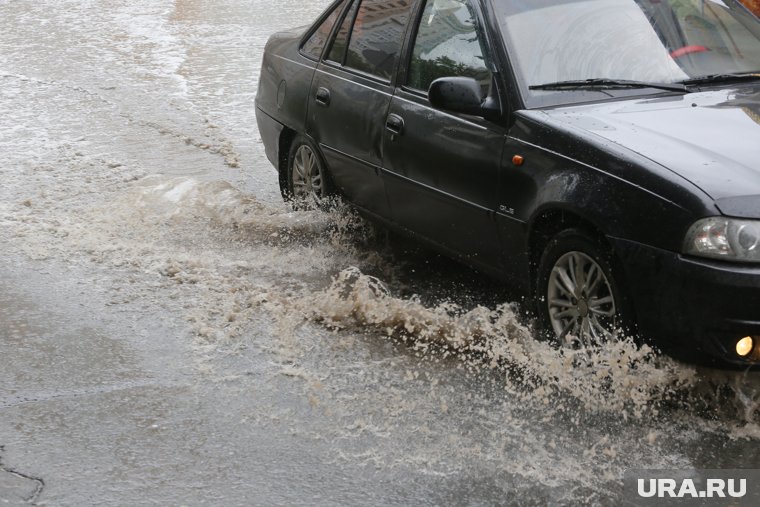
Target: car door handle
{"points": [[322, 97], [394, 124]]}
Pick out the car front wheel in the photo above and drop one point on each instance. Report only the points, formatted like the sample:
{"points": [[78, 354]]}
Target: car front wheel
{"points": [[580, 302]]}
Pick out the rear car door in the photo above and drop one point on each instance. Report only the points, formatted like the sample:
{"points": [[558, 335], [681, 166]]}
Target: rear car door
{"points": [[442, 169], [350, 95]]}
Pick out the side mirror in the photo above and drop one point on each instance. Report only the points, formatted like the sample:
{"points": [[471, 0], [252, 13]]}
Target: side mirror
{"points": [[462, 95]]}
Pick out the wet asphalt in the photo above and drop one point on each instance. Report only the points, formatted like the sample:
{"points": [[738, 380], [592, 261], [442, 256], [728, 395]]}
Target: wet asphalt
{"points": [[171, 333]]}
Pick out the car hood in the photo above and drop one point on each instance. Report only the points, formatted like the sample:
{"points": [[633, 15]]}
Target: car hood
{"points": [[711, 139]]}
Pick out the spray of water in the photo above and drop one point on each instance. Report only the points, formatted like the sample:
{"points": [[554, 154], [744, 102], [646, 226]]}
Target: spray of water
{"points": [[240, 256]]}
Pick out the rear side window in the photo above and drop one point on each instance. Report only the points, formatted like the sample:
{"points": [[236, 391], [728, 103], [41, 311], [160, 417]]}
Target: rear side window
{"points": [[340, 43], [377, 36], [448, 44], [316, 42]]}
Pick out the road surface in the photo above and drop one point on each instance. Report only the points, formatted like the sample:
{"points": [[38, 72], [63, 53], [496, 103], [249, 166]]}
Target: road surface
{"points": [[171, 333]]}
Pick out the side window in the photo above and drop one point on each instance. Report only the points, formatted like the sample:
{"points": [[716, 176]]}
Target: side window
{"points": [[340, 43], [377, 36], [315, 44], [448, 44]]}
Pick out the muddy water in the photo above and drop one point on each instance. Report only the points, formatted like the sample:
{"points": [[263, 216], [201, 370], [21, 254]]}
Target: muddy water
{"points": [[132, 165]]}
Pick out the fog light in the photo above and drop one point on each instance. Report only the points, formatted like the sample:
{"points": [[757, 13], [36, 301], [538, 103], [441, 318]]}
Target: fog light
{"points": [[744, 346]]}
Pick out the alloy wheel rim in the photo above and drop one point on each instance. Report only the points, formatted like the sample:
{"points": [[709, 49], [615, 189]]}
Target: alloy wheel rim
{"points": [[307, 175], [581, 302]]}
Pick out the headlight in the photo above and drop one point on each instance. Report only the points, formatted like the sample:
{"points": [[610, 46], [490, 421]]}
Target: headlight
{"points": [[725, 238]]}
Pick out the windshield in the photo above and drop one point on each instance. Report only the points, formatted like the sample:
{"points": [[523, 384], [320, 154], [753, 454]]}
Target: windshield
{"points": [[663, 41]]}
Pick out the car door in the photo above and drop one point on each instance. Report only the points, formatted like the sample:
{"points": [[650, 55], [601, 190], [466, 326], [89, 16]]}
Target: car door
{"points": [[441, 169], [350, 95]]}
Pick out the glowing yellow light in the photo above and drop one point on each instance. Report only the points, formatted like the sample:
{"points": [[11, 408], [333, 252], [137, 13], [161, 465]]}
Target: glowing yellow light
{"points": [[744, 346]]}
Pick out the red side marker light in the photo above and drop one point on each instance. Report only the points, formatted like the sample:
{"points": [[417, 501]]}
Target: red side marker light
{"points": [[518, 160]]}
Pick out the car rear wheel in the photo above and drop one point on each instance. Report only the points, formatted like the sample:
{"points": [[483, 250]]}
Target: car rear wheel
{"points": [[580, 299], [308, 182]]}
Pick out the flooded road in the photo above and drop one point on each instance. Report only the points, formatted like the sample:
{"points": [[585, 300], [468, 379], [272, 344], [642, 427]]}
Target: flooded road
{"points": [[172, 333]]}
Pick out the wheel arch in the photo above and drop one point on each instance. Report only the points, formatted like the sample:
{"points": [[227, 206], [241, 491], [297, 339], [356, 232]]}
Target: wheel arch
{"points": [[552, 220], [286, 140]]}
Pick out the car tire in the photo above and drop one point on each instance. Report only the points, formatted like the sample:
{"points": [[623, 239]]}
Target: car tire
{"points": [[308, 183], [579, 292]]}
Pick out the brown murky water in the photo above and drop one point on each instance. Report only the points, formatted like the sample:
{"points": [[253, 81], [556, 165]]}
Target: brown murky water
{"points": [[173, 333]]}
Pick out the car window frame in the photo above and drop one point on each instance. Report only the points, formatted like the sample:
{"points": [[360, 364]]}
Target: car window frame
{"points": [[350, 70], [315, 26], [503, 79], [480, 29], [336, 30]]}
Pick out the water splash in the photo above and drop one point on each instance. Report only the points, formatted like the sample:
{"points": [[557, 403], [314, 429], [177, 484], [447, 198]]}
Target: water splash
{"points": [[241, 256], [620, 377]]}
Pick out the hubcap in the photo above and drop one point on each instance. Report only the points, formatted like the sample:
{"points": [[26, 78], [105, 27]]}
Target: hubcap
{"points": [[307, 175], [580, 299]]}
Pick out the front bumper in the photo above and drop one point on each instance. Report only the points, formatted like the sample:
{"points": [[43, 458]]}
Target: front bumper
{"points": [[692, 308]]}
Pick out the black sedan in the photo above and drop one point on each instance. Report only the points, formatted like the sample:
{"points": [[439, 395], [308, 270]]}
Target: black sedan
{"points": [[603, 156]]}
